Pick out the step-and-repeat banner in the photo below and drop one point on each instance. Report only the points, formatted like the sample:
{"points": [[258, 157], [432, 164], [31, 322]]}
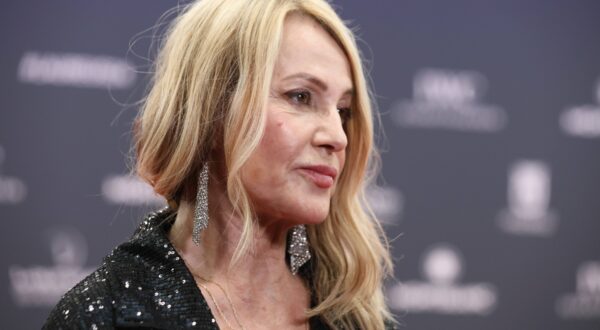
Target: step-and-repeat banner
{"points": [[491, 154]]}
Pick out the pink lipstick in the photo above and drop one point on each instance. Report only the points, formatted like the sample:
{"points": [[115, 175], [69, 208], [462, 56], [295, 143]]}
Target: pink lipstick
{"points": [[322, 176]]}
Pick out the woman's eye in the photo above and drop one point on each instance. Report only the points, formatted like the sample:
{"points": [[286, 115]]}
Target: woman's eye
{"points": [[345, 114], [299, 97]]}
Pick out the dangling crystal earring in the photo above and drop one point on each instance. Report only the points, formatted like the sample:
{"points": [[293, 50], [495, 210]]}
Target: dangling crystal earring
{"points": [[298, 248], [201, 208]]}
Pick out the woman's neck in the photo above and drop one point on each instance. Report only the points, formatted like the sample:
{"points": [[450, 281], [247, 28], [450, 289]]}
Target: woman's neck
{"points": [[263, 265], [259, 285]]}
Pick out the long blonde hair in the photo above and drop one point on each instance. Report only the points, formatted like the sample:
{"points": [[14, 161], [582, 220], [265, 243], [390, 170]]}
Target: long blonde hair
{"points": [[211, 83]]}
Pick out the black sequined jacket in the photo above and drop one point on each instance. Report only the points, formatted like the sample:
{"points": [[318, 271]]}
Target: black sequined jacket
{"points": [[143, 283]]}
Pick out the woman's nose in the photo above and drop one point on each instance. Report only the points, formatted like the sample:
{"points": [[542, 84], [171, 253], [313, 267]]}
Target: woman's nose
{"points": [[330, 133]]}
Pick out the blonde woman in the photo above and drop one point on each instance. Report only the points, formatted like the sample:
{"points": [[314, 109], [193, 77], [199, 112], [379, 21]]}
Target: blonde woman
{"points": [[257, 130]]}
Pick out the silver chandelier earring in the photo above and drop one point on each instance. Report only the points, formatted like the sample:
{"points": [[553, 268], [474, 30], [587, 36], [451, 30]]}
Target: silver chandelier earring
{"points": [[298, 248], [201, 208]]}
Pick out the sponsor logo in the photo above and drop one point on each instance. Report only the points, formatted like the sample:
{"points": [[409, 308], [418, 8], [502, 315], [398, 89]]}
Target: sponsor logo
{"points": [[44, 285], [442, 293], [75, 70], [386, 202], [129, 190], [585, 302], [582, 120], [528, 211], [451, 100], [12, 189]]}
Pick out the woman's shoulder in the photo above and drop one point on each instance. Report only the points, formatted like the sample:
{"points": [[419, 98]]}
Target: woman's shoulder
{"points": [[142, 282], [104, 297], [87, 305]]}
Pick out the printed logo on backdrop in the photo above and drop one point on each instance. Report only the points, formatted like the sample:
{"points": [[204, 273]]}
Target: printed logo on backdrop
{"points": [[75, 70], [584, 303], [582, 120], [129, 190], [441, 292], [12, 189], [528, 211], [41, 285], [453, 100], [386, 202]]}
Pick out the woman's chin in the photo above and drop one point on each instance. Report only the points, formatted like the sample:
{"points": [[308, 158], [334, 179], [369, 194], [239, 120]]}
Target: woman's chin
{"points": [[314, 218]]}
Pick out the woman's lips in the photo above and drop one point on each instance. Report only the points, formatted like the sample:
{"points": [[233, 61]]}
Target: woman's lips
{"points": [[322, 176]]}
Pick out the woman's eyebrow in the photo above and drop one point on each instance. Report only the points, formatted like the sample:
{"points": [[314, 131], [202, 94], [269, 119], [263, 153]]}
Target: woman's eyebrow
{"points": [[314, 80]]}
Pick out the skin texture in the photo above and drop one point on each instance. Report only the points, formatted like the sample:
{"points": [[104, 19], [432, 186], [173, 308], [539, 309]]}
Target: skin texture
{"points": [[311, 82], [310, 93]]}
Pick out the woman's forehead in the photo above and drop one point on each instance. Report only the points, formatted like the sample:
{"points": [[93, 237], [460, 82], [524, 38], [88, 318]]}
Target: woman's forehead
{"points": [[308, 50]]}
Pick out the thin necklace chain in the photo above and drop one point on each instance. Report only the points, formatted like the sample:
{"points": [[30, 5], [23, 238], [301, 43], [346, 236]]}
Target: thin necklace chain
{"points": [[235, 314], [219, 310]]}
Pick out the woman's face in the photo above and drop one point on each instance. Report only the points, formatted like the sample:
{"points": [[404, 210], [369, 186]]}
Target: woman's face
{"points": [[293, 172]]}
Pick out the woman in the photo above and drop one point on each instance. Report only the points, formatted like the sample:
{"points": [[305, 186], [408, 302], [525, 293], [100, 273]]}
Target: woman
{"points": [[258, 132]]}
